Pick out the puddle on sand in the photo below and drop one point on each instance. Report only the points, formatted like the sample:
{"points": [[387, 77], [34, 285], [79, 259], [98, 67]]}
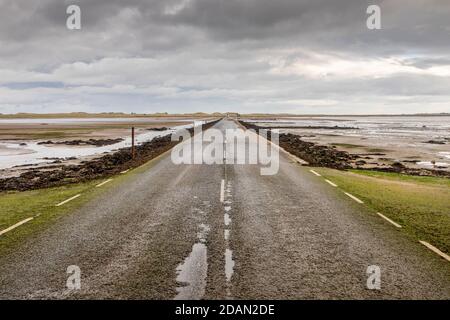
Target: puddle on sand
{"points": [[192, 273], [229, 264]]}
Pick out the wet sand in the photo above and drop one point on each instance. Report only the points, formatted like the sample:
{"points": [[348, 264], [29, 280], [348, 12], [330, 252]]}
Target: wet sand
{"points": [[98, 129], [386, 151], [421, 142], [19, 140]]}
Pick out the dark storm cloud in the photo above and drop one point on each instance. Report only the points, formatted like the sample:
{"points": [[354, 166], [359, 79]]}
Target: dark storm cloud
{"points": [[240, 52], [334, 25]]}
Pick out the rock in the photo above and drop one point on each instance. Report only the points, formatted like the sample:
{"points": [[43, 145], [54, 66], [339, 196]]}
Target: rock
{"points": [[159, 129], [316, 155], [93, 142], [435, 142], [45, 142]]}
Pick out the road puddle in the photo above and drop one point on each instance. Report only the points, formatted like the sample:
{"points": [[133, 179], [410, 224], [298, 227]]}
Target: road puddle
{"points": [[192, 273]]}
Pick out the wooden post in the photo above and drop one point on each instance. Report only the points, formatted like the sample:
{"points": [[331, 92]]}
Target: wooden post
{"points": [[133, 149]]}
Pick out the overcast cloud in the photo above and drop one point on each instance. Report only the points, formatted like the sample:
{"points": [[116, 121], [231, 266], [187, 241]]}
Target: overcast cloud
{"points": [[296, 56]]}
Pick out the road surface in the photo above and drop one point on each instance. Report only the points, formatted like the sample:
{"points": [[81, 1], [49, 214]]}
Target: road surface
{"points": [[170, 232]]}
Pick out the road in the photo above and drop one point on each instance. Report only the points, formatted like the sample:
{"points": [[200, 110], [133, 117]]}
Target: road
{"points": [[169, 232]]}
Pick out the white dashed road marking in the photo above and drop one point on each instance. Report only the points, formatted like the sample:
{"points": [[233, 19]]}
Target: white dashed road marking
{"points": [[70, 199], [103, 183], [315, 173], [222, 190], [353, 197], [435, 250], [331, 183], [389, 220], [15, 226]]}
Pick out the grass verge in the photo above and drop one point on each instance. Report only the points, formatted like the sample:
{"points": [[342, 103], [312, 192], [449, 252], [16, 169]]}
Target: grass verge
{"points": [[421, 205], [41, 204]]}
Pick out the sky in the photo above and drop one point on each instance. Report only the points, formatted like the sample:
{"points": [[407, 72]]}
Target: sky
{"points": [[246, 56]]}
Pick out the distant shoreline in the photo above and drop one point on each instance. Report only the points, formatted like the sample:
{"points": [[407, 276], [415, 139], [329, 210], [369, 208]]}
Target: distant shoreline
{"points": [[81, 115]]}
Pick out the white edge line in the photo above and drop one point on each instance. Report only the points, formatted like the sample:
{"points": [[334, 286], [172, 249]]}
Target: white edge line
{"points": [[103, 183], [435, 250], [317, 174], [389, 220], [354, 198], [15, 226], [70, 199], [222, 190], [331, 183], [125, 171]]}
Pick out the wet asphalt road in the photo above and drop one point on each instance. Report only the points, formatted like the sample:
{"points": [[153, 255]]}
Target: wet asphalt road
{"points": [[169, 232]]}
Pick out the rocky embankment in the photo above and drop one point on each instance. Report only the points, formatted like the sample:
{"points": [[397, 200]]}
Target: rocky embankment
{"points": [[90, 142], [328, 156], [158, 129], [309, 127], [317, 155], [104, 166]]}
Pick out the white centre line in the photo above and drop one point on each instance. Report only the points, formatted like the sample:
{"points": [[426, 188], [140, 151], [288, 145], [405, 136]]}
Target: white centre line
{"points": [[317, 174], [353, 197], [70, 199], [15, 226], [389, 220], [331, 183], [222, 190], [435, 250], [103, 183]]}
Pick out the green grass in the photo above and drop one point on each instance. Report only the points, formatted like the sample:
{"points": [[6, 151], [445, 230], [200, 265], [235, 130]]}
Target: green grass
{"points": [[404, 177], [41, 204], [420, 204]]}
